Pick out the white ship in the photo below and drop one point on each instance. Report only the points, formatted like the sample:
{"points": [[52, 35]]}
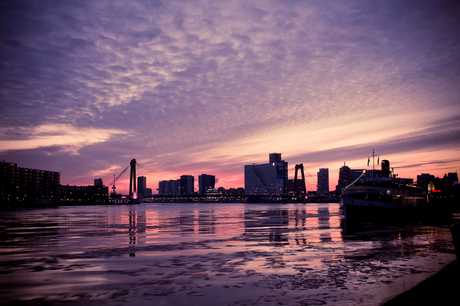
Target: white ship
{"points": [[379, 193]]}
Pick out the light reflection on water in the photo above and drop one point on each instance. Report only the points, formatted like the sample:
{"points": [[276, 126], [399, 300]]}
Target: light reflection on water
{"points": [[80, 247]]}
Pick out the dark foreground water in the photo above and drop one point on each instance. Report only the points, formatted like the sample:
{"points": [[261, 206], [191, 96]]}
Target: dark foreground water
{"points": [[211, 254]]}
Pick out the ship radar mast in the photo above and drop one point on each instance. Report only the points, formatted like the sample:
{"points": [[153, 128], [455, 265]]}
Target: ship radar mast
{"points": [[373, 161]]}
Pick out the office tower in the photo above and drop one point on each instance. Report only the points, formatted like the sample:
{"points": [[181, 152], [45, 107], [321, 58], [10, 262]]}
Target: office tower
{"points": [[161, 187], [98, 182], [168, 188], [186, 184], [344, 178], [141, 185], [173, 187], [267, 179], [206, 182], [323, 181], [274, 157]]}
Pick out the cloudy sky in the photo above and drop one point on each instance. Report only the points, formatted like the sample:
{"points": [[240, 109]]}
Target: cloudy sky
{"points": [[192, 87]]}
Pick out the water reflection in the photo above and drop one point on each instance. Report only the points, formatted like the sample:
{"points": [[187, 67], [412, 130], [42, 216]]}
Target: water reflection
{"points": [[137, 228], [300, 221], [255, 223], [132, 231], [263, 225], [207, 222], [324, 224], [148, 224], [186, 222]]}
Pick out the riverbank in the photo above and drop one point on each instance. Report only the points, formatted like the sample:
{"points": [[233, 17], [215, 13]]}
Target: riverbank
{"points": [[440, 289]]}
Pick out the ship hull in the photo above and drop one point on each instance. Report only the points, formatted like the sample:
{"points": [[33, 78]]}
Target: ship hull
{"points": [[364, 209]]}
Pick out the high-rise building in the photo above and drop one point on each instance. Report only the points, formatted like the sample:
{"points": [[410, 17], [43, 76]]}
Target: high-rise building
{"points": [[347, 176], [274, 157], [27, 185], [168, 188], [323, 181], [141, 185], [267, 179], [161, 187], [205, 182], [173, 187], [344, 178], [186, 184], [98, 182]]}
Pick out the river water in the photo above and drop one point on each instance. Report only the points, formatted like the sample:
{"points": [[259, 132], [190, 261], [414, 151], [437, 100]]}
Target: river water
{"points": [[211, 254]]}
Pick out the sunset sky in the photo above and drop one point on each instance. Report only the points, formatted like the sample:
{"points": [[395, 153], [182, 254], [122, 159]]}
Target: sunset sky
{"points": [[192, 87]]}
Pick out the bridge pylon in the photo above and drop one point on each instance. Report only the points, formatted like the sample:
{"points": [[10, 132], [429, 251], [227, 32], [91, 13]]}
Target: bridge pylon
{"points": [[298, 193], [132, 178]]}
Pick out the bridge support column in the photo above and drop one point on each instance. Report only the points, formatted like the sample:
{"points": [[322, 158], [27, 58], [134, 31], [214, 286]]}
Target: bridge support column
{"points": [[132, 178], [303, 187]]}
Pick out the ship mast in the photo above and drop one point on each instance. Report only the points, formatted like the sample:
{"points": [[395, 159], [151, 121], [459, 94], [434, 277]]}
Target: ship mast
{"points": [[373, 163]]}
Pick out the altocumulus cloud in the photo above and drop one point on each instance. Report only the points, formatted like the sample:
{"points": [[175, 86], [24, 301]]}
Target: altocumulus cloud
{"points": [[199, 86]]}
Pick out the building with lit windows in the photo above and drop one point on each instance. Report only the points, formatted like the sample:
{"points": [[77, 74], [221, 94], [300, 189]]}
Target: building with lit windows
{"points": [[141, 186], [186, 184], [183, 186], [267, 179], [205, 182], [24, 185]]}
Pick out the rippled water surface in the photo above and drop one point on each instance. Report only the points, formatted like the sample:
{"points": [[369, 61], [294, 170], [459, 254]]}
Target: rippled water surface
{"points": [[211, 254]]}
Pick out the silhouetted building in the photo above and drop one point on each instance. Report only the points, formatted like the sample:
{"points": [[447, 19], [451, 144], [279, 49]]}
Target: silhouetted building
{"points": [[98, 182], [205, 182], [27, 185], [290, 185], [141, 185], [162, 187], [344, 178], [168, 188], [173, 187], [84, 194], [323, 181], [234, 191], [267, 179], [186, 184], [148, 192], [424, 179], [453, 177], [274, 157]]}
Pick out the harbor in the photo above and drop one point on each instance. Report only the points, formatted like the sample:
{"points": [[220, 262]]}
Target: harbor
{"points": [[214, 254]]}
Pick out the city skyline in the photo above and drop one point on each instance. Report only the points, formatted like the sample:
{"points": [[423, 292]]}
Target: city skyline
{"points": [[192, 87]]}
